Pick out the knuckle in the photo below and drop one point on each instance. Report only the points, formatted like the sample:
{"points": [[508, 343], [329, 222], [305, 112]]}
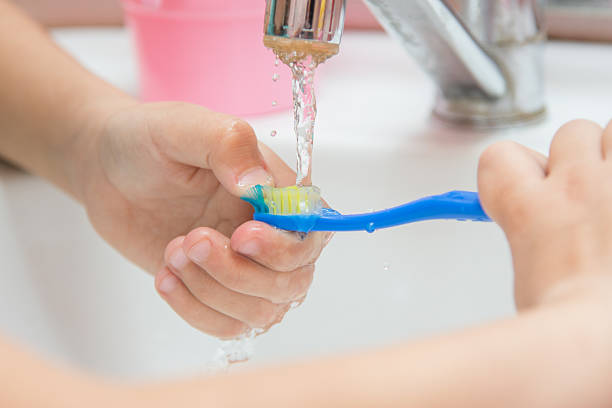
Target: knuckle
{"points": [[514, 209], [577, 181], [241, 128], [237, 135], [490, 158], [296, 255], [295, 284], [263, 313], [291, 263], [236, 140], [205, 289], [303, 281], [197, 320], [283, 286], [231, 278], [284, 260]]}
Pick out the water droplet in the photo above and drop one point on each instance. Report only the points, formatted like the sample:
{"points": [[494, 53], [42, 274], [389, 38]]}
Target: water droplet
{"points": [[386, 266], [275, 77], [273, 133], [370, 228], [274, 103], [276, 61]]}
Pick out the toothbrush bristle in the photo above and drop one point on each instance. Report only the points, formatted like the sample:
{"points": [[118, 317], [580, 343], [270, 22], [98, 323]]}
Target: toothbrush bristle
{"points": [[292, 200]]}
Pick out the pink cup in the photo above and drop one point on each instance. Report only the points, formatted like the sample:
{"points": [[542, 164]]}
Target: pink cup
{"points": [[207, 52]]}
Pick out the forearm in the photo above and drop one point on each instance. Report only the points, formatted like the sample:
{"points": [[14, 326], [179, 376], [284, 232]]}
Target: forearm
{"points": [[28, 382], [46, 100], [552, 358], [73, 12]]}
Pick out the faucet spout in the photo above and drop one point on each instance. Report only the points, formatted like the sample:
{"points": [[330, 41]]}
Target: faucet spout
{"points": [[296, 28], [485, 56]]}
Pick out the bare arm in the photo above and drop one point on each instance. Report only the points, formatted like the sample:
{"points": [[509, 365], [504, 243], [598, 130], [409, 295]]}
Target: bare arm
{"points": [[73, 12], [46, 99], [29, 382], [555, 357]]}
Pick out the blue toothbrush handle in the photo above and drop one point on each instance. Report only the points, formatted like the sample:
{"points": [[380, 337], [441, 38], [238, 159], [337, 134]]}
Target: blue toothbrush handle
{"points": [[454, 205]]}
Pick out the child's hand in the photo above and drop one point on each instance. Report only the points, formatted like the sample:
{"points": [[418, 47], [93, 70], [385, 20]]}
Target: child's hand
{"points": [[157, 172], [556, 212]]}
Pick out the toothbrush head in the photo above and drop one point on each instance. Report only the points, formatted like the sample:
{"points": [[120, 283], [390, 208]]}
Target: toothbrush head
{"points": [[292, 200]]}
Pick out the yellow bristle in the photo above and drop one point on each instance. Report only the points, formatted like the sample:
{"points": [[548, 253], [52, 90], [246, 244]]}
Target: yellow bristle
{"points": [[292, 200], [285, 202]]}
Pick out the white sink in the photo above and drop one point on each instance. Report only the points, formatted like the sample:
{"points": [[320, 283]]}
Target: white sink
{"points": [[69, 295]]}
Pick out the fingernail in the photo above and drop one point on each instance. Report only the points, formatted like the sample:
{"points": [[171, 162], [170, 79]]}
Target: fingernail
{"points": [[200, 251], [255, 176], [249, 248], [168, 283], [178, 260]]}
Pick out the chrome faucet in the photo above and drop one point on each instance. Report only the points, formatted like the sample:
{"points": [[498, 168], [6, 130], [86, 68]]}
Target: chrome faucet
{"points": [[485, 55]]}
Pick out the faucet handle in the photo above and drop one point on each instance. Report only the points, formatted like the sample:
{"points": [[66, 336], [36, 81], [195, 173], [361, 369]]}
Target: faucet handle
{"points": [[484, 55]]}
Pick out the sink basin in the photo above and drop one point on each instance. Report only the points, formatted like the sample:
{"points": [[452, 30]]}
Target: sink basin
{"points": [[72, 297]]}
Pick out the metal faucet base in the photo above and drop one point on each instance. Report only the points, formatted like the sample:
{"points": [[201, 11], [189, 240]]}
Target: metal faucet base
{"points": [[467, 113]]}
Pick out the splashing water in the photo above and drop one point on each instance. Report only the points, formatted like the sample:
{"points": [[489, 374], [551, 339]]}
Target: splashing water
{"points": [[234, 351]]}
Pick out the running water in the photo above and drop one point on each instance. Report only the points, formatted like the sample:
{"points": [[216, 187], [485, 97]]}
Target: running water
{"points": [[303, 63], [305, 114]]}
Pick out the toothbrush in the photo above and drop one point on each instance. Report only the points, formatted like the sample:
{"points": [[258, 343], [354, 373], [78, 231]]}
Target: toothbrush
{"points": [[300, 209]]}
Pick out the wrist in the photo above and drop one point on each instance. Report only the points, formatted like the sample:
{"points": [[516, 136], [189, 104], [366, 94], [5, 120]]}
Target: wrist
{"points": [[82, 157]]}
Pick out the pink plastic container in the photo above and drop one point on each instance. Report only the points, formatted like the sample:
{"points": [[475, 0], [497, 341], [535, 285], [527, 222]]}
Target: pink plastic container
{"points": [[208, 52]]}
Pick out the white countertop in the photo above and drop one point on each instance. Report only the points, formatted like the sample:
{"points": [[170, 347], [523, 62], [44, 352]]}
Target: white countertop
{"points": [[71, 296]]}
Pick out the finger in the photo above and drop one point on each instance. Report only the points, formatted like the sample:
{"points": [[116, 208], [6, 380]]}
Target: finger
{"points": [[198, 315], [507, 172], [211, 251], [205, 139], [276, 249], [254, 311], [576, 141], [607, 141]]}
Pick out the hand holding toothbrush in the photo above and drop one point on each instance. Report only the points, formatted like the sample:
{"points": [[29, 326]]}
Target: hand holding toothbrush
{"points": [[175, 172]]}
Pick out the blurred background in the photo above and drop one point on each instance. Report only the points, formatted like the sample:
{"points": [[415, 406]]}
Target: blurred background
{"points": [[590, 19], [68, 295]]}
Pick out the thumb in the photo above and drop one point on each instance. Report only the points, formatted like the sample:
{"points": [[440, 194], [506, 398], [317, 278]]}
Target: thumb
{"points": [[221, 143]]}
